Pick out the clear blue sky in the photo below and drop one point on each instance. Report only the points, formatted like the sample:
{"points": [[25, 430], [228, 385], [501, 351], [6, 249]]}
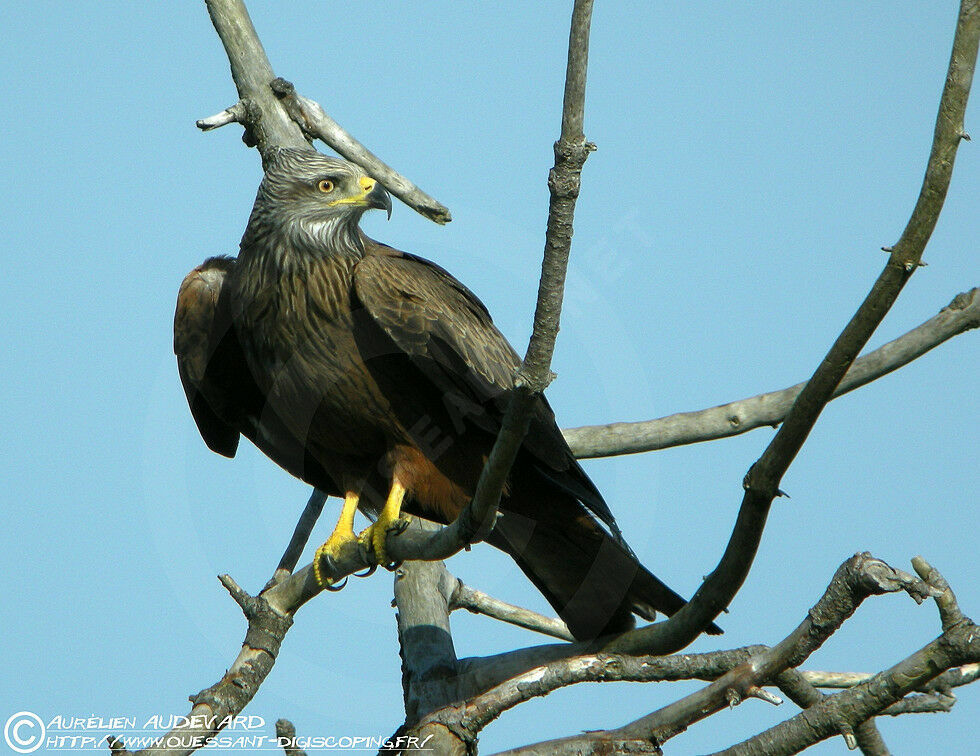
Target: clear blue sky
{"points": [[751, 164]]}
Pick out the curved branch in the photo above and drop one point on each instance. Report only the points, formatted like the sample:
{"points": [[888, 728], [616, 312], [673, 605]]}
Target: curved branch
{"points": [[761, 483], [743, 415]]}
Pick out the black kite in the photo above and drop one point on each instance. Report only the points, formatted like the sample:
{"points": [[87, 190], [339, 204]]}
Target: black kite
{"points": [[376, 376]]}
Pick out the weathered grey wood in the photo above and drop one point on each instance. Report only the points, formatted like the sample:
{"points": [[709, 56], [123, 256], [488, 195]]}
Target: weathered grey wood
{"points": [[768, 410]]}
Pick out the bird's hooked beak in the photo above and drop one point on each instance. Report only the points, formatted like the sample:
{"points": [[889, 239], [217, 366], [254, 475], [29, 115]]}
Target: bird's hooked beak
{"points": [[372, 194], [378, 197]]}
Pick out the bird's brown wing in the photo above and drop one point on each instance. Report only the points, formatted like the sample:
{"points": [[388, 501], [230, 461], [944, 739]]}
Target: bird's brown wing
{"points": [[450, 337], [198, 329], [590, 576], [438, 322]]}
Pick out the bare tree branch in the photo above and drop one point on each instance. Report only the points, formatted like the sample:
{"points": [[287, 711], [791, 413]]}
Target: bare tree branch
{"points": [[478, 602], [267, 124], [482, 708], [227, 697], [856, 579], [300, 537], [959, 644], [275, 116], [954, 678], [735, 418]]}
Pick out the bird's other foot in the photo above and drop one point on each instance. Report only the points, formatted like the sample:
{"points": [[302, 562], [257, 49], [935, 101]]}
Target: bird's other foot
{"points": [[374, 537]]}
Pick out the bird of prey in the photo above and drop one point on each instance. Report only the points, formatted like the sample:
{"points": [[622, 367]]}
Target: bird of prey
{"points": [[377, 377]]}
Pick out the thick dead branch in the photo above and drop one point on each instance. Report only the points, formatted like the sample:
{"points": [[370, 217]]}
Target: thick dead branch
{"points": [[768, 410], [422, 593], [266, 121], [479, 710]]}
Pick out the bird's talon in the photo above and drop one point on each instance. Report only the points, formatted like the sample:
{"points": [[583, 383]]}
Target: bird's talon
{"points": [[368, 572], [326, 554], [329, 585]]}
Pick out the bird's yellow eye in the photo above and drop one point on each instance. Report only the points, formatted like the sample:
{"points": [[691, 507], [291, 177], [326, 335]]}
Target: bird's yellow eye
{"points": [[325, 186]]}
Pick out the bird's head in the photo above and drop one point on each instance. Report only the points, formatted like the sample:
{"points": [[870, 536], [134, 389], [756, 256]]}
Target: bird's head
{"points": [[304, 192]]}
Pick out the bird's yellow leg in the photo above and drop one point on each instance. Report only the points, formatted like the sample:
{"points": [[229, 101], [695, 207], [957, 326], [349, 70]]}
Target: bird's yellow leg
{"points": [[343, 533], [389, 520]]}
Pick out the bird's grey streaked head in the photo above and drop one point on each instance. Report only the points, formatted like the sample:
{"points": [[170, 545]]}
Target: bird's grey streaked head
{"points": [[321, 186], [315, 198]]}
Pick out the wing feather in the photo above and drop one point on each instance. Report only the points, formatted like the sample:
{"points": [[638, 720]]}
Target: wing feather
{"points": [[197, 332], [449, 335], [438, 322]]}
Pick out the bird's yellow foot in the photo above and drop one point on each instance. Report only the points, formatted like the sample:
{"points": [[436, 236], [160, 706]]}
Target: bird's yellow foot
{"points": [[375, 535], [342, 535], [330, 551]]}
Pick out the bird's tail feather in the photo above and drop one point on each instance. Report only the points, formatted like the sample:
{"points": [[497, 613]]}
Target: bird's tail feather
{"points": [[594, 583]]}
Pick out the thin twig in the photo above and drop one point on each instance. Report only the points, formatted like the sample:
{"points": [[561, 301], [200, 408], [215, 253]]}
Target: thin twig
{"points": [[234, 114], [300, 537]]}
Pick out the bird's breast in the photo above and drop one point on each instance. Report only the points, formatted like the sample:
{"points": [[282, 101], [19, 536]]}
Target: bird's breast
{"points": [[297, 331]]}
